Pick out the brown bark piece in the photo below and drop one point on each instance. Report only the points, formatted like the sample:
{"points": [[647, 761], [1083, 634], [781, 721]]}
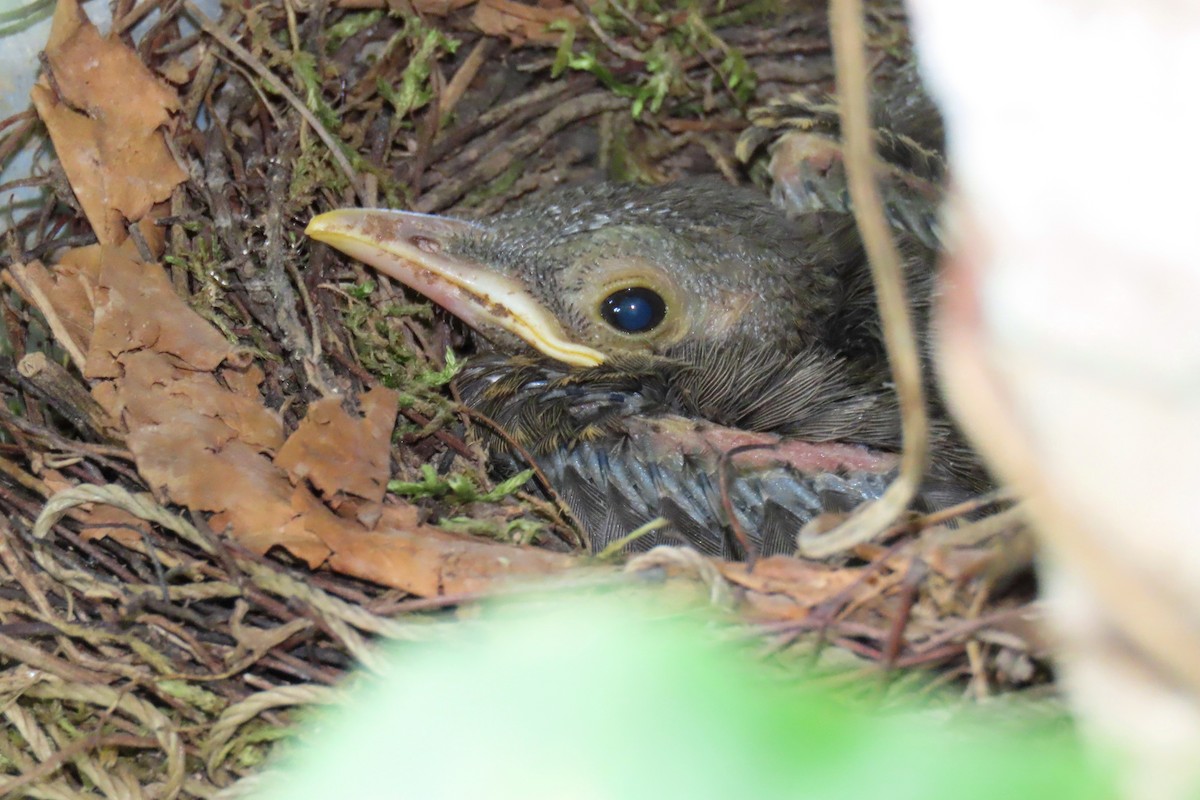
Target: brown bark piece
{"points": [[521, 22], [64, 295], [343, 453], [206, 440], [433, 561], [103, 109], [135, 308], [804, 583], [117, 524]]}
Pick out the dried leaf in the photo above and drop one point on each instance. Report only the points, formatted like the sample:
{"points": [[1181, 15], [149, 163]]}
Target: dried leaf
{"points": [[207, 441], [804, 583], [105, 521], [521, 23], [434, 561], [338, 452], [104, 110], [64, 295], [136, 307]]}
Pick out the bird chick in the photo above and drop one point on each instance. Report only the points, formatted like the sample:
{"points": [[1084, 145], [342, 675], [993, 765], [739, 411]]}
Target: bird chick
{"points": [[641, 337]]}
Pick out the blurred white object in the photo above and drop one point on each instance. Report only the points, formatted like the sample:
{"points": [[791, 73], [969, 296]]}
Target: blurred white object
{"points": [[1071, 330]]}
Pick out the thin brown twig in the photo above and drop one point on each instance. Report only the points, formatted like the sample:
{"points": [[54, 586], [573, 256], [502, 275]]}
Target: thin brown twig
{"points": [[948, 513], [628, 16], [23, 183], [623, 50], [966, 627], [909, 589], [871, 519], [16, 137], [462, 78], [20, 116], [134, 16], [496, 162], [735, 527]]}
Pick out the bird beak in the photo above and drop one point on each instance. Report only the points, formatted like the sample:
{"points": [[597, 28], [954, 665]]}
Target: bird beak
{"points": [[412, 249]]}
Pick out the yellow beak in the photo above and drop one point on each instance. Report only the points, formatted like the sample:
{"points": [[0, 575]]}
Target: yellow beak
{"points": [[410, 248]]}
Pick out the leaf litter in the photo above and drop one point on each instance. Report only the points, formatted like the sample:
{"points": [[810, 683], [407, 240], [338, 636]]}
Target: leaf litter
{"points": [[216, 535]]}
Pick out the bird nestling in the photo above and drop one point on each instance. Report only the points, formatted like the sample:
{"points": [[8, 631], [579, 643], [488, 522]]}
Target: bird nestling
{"points": [[685, 352]]}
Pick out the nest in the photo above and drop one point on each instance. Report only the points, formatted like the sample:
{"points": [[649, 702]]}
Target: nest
{"points": [[202, 418]]}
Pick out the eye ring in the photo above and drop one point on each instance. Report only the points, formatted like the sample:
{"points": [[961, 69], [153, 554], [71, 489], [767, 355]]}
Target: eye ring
{"points": [[633, 309]]}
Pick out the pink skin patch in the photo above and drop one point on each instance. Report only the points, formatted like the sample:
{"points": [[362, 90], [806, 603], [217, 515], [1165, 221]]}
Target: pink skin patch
{"points": [[690, 437]]}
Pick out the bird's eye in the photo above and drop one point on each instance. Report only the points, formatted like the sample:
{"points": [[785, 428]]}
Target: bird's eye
{"points": [[634, 309]]}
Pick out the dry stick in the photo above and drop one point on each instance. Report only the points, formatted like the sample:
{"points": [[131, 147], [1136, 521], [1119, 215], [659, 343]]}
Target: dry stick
{"points": [[628, 16], [1002, 495], [205, 71], [134, 16], [57, 387], [749, 550], [514, 113], [28, 115], [244, 55], [869, 520], [16, 137], [462, 78], [909, 588], [623, 50], [533, 137]]}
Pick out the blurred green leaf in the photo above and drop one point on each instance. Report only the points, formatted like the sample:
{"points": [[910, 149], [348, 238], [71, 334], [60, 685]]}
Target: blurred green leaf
{"points": [[592, 700]]}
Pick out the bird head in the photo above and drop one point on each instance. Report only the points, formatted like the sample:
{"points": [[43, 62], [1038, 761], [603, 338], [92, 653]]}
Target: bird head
{"points": [[588, 273]]}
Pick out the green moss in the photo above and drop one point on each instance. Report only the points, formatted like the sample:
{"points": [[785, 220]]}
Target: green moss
{"points": [[459, 487], [194, 694], [662, 75], [414, 90], [349, 25], [206, 263], [377, 334], [313, 171]]}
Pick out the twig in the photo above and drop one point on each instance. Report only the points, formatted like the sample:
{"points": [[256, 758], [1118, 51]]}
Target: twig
{"points": [[909, 589], [463, 77], [512, 113], [962, 509], [623, 50], [617, 546], [628, 16], [524, 146], [57, 387], [723, 464], [16, 277], [869, 520]]}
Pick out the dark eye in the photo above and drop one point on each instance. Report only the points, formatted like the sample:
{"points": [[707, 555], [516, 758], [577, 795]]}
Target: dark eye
{"points": [[634, 310]]}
